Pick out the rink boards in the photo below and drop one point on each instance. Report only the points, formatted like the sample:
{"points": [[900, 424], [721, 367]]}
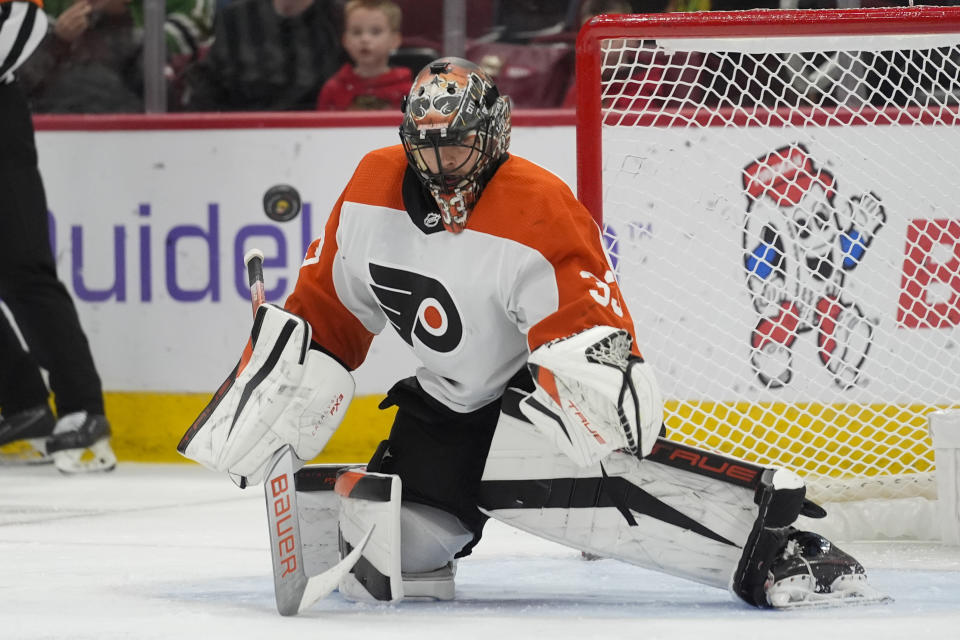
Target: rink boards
{"points": [[149, 239]]}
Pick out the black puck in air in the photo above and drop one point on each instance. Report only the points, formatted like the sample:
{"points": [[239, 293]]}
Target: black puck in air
{"points": [[281, 203]]}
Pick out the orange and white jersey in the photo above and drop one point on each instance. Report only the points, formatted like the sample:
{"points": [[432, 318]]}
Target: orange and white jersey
{"points": [[23, 24], [529, 268]]}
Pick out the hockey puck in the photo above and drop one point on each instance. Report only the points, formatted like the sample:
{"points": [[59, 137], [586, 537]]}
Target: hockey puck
{"points": [[281, 203]]}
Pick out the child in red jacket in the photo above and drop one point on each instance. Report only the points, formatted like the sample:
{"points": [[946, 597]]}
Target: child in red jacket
{"points": [[371, 34]]}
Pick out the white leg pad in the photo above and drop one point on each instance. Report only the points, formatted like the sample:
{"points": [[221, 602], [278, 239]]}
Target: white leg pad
{"points": [[653, 515], [318, 508], [409, 555], [371, 499]]}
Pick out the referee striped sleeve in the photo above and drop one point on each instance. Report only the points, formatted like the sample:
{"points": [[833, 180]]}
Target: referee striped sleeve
{"points": [[22, 27]]}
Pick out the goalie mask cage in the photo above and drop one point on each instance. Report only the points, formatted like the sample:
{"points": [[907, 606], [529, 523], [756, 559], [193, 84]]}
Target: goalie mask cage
{"points": [[780, 199]]}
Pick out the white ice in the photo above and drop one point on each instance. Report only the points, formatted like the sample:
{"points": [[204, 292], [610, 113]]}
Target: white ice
{"points": [[175, 551]]}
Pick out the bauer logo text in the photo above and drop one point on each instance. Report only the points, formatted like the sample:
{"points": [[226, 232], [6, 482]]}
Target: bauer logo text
{"points": [[282, 515]]}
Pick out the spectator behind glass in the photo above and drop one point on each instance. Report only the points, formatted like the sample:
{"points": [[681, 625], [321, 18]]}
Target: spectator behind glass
{"points": [[89, 62], [371, 35], [268, 55], [92, 58]]}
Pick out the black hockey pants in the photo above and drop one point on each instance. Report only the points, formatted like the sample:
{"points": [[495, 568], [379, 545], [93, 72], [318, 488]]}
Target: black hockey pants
{"points": [[29, 286], [438, 453]]}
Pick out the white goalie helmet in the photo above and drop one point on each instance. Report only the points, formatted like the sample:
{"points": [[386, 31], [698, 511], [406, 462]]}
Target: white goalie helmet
{"points": [[455, 131]]}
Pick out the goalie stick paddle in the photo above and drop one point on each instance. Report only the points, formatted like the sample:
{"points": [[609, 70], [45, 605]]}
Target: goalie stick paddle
{"points": [[294, 590], [286, 545]]}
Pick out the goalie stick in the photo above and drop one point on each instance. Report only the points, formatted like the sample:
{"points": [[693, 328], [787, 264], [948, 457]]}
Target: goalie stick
{"points": [[253, 259], [295, 591], [293, 588]]}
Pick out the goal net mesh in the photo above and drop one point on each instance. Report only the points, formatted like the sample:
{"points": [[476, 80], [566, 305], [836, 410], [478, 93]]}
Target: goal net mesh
{"points": [[782, 211]]}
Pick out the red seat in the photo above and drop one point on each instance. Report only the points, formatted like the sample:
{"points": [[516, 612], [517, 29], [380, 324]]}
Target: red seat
{"points": [[532, 20], [423, 21], [535, 76], [660, 80]]}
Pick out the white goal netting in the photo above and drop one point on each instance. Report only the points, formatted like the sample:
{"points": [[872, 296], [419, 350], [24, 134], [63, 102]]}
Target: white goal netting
{"points": [[781, 201]]}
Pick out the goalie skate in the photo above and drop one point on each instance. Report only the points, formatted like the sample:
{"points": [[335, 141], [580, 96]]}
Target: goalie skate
{"points": [[812, 572]]}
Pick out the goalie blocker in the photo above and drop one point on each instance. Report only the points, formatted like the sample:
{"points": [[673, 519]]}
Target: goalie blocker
{"points": [[282, 392]]}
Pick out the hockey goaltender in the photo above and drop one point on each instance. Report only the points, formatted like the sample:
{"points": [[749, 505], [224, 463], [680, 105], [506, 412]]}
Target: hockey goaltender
{"points": [[532, 405]]}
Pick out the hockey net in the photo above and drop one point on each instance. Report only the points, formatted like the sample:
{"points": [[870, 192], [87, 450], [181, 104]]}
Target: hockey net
{"points": [[780, 197]]}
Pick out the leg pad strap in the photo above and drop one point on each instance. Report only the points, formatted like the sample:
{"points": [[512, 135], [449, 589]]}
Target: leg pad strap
{"points": [[780, 497]]}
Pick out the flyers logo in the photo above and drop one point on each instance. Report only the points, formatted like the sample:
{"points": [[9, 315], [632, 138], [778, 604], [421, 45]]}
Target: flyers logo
{"points": [[417, 305]]}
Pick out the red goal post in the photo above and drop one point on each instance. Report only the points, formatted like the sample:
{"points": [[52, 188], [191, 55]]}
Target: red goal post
{"points": [[780, 197]]}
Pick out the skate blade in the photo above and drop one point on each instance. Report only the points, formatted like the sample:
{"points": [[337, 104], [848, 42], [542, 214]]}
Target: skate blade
{"points": [[97, 457], [846, 591], [23, 452]]}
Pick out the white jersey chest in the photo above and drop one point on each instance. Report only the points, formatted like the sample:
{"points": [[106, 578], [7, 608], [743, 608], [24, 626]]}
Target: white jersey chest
{"points": [[459, 300]]}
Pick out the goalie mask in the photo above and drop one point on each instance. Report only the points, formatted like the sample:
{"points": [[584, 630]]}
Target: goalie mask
{"points": [[455, 131]]}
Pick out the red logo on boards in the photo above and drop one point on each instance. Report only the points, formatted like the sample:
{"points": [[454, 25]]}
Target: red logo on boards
{"points": [[930, 280]]}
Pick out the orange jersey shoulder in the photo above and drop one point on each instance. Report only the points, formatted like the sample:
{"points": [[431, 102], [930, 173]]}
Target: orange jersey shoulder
{"points": [[378, 179], [529, 204], [526, 203]]}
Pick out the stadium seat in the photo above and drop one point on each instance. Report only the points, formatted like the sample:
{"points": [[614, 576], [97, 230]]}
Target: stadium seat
{"points": [[660, 80], [533, 75], [524, 21], [423, 21]]}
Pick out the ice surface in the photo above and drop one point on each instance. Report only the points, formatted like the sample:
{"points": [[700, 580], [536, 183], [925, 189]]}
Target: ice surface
{"points": [[175, 551]]}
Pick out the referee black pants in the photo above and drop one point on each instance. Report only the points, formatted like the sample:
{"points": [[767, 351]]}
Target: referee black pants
{"points": [[29, 287]]}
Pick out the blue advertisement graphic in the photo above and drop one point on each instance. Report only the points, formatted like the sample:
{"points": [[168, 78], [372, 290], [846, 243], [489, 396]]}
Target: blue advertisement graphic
{"points": [[147, 261]]}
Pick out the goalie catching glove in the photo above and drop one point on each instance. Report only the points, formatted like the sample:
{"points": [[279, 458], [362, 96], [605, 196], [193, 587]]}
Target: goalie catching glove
{"points": [[281, 392], [593, 396]]}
